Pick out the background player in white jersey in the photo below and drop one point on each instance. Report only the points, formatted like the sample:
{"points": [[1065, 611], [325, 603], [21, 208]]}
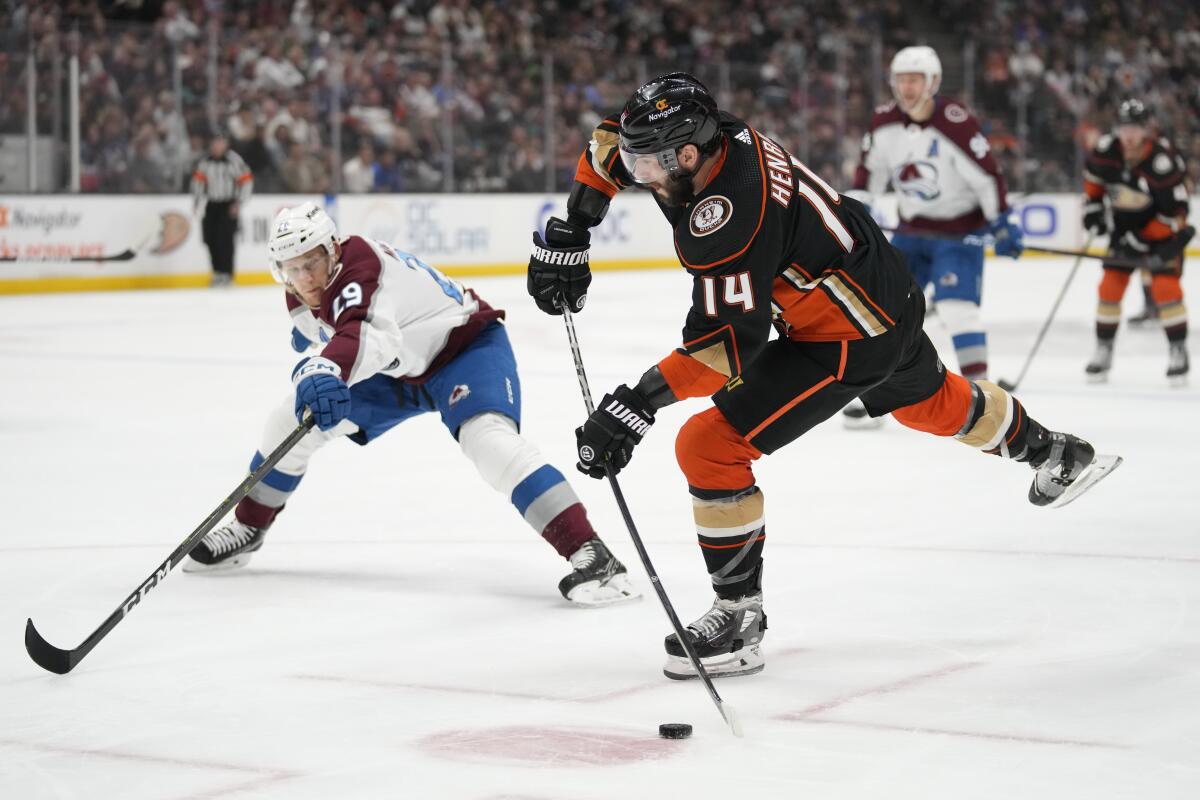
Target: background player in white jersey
{"points": [[400, 339], [947, 185]]}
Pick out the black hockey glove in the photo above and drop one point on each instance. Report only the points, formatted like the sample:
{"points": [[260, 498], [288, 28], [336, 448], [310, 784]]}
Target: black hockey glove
{"points": [[1093, 217], [558, 267], [1165, 255], [610, 433]]}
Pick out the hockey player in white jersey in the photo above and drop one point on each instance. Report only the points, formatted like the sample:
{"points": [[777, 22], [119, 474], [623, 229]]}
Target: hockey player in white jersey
{"points": [[399, 339], [947, 185]]}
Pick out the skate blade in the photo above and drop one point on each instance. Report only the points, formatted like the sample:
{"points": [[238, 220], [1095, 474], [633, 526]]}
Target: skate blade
{"points": [[1177, 381], [1097, 471], [747, 661], [594, 594], [193, 566], [1100, 377]]}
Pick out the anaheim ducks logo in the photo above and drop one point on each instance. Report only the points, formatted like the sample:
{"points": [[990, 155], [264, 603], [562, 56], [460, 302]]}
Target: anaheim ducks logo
{"points": [[710, 214], [173, 232]]}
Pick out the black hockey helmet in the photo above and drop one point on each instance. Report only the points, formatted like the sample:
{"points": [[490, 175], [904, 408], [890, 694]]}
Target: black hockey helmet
{"points": [[1132, 112], [662, 116]]}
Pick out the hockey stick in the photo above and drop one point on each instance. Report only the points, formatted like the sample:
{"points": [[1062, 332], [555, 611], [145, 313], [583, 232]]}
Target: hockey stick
{"points": [[727, 711], [1011, 386], [53, 659], [128, 254], [1155, 263]]}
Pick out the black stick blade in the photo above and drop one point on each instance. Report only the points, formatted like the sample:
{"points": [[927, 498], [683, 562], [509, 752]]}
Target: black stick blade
{"points": [[46, 655], [1006, 386]]}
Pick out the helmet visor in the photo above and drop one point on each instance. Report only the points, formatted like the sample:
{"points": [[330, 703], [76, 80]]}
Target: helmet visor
{"points": [[303, 268], [646, 168]]}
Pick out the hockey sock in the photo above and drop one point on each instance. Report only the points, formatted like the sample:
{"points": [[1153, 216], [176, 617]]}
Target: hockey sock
{"points": [[550, 506], [1108, 310], [539, 492], [731, 529], [963, 323], [259, 508], [1172, 313], [1174, 321], [998, 424]]}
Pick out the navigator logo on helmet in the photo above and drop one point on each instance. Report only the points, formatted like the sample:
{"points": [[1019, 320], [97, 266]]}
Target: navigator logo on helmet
{"points": [[662, 116], [297, 230], [919, 59]]}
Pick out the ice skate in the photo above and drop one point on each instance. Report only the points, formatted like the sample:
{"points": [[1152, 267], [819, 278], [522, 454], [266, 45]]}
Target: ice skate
{"points": [[726, 640], [1146, 318], [856, 418], [1177, 365], [597, 578], [1070, 468], [1097, 369], [228, 547]]}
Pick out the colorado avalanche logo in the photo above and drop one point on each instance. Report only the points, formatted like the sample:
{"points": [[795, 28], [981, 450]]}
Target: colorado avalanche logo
{"points": [[918, 179]]}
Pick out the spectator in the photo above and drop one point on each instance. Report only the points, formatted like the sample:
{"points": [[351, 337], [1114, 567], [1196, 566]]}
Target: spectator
{"points": [[389, 176], [358, 174], [148, 170], [804, 71], [303, 172]]}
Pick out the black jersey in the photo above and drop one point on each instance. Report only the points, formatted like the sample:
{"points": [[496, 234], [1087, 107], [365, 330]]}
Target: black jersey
{"points": [[767, 241], [1148, 195]]}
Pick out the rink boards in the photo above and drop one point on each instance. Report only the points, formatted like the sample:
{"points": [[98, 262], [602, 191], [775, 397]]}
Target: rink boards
{"points": [[466, 235]]}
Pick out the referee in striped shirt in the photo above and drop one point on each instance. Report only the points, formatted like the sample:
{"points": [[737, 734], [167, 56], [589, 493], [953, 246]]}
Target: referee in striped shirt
{"points": [[223, 180]]}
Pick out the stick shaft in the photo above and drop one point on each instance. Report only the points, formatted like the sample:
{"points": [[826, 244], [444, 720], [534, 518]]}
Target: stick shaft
{"points": [[1037, 343], [980, 240], [62, 661], [660, 590]]}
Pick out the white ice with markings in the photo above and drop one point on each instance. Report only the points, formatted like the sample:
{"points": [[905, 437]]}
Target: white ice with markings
{"points": [[932, 635]]}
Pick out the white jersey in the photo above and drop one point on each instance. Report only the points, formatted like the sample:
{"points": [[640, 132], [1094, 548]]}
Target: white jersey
{"points": [[386, 311], [942, 169]]}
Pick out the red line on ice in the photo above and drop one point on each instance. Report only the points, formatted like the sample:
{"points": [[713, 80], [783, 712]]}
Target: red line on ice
{"points": [[1005, 737], [886, 688]]}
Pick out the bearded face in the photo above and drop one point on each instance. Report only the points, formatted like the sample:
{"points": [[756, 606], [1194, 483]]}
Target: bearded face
{"points": [[675, 190]]}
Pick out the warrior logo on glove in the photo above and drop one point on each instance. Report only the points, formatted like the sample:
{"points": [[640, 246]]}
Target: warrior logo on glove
{"points": [[628, 416], [559, 274], [567, 258], [612, 431]]}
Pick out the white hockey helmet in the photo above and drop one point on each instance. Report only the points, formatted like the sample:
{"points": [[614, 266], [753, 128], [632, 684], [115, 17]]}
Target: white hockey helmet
{"points": [[919, 58], [297, 230]]}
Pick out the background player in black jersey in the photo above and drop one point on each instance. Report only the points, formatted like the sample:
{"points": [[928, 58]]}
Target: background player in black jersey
{"points": [[1142, 181], [768, 243]]}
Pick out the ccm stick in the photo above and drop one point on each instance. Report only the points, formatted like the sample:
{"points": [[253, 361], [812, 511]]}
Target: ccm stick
{"points": [[60, 661], [727, 711]]}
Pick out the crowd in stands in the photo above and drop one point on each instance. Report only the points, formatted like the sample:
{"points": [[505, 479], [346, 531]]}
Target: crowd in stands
{"points": [[1076, 60], [501, 95]]}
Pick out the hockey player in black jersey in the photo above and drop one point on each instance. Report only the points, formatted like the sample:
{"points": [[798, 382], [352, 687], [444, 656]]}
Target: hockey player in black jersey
{"points": [[768, 245], [1142, 181]]}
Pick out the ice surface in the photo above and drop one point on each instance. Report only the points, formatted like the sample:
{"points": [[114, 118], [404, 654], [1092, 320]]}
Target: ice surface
{"points": [[932, 634]]}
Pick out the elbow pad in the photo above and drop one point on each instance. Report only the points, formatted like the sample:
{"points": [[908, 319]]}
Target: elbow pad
{"points": [[586, 206]]}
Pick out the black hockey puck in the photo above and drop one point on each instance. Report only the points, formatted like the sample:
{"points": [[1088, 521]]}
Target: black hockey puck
{"points": [[674, 730]]}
